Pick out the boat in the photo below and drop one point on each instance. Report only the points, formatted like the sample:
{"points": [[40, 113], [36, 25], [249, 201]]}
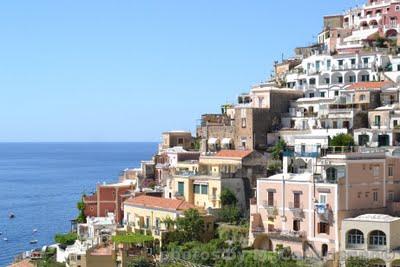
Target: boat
{"points": [[5, 239], [33, 242], [34, 230], [11, 215]]}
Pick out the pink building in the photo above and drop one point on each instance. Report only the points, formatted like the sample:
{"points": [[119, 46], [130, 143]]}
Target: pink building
{"points": [[303, 208]]}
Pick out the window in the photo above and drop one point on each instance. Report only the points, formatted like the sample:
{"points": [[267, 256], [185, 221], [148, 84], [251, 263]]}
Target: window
{"points": [[377, 120], [323, 228], [296, 200], [398, 67], [362, 97], [334, 124], [355, 237], [340, 79], [322, 198], [390, 171], [328, 63], [327, 81], [244, 122], [204, 189], [336, 93], [375, 196], [311, 95], [377, 238], [157, 223], [391, 196], [352, 79], [147, 222], [353, 61], [270, 199], [322, 94], [296, 225], [196, 188], [312, 81], [181, 188], [365, 78], [395, 123], [365, 60], [397, 8], [340, 62]]}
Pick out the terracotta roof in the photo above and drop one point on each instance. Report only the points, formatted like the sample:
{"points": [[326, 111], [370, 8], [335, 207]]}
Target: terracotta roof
{"points": [[159, 202], [233, 153], [369, 85]]}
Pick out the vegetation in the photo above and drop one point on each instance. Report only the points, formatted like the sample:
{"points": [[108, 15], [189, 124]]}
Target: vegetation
{"points": [[344, 140], [48, 259], [234, 234], [358, 262], [132, 238], [278, 149], [191, 225], [274, 168], [228, 198], [65, 239], [230, 214], [81, 207], [141, 262]]}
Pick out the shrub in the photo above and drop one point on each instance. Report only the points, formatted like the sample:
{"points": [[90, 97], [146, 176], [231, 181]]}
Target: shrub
{"points": [[65, 239]]}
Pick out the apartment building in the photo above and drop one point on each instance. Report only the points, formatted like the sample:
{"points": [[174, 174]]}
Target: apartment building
{"points": [[305, 205]]}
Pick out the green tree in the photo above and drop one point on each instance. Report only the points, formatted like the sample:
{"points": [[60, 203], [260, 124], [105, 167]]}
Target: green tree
{"points": [[66, 239], [345, 140], [191, 225], [228, 198], [230, 214], [81, 208], [277, 150]]}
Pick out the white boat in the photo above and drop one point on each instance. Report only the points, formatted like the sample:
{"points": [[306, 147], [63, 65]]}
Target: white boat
{"points": [[34, 230], [11, 215], [33, 241], [5, 239]]}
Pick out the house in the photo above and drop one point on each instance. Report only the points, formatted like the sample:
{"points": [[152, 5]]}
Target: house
{"points": [[176, 138], [108, 198], [146, 214], [372, 236]]}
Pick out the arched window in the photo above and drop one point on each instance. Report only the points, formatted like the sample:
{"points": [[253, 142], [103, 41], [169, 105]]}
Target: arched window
{"points": [[377, 238], [362, 97], [355, 238]]}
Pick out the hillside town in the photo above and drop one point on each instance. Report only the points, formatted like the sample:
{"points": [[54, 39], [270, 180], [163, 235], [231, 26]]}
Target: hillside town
{"points": [[304, 168]]}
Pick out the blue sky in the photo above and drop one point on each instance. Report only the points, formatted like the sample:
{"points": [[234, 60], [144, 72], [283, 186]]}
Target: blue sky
{"points": [[127, 70]]}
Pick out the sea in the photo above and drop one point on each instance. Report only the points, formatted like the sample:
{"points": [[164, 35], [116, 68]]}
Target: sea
{"points": [[42, 182]]}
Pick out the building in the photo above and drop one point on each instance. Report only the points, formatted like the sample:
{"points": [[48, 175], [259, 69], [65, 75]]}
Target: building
{"points": [[372, 236], [147, 214], [231, 169], [176, 138], [304, 206], [108, 198]]}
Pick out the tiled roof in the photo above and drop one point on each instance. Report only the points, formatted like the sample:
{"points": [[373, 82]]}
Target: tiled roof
{"points": [[159, 202], [233, 153], [369, 85]]}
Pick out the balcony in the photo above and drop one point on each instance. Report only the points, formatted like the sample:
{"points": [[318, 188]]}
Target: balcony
{"points": [[324, 212], [297, 210], [288, 235], [271, 209]]}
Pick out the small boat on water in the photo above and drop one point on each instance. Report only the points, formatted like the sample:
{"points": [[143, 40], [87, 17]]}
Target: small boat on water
{"points": [[33, 242], [5, 239], [11, 215], [34, 230]]}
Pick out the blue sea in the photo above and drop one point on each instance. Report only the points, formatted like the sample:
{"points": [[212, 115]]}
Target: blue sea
{"points": [[42, 182]]}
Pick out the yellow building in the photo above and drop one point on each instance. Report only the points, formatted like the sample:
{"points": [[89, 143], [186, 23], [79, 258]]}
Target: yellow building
{"points": [[231, 169], [147, 214]]}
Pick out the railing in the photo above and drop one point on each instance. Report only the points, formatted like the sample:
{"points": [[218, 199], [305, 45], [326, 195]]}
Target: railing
{"points": [[297, 210], [287, 234], [324, 212], [292, 154], [271, 209]]}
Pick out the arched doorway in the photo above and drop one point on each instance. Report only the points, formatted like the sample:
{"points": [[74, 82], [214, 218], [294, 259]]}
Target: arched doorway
{"points": [[324, 250], [263, 243]]}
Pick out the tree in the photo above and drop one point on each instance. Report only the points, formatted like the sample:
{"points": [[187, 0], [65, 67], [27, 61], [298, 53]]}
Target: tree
{"points": [[66, 239], [228, 198], [191, 225], [140, 262], [342, 140], [81, 207], [277, 150], [230, 214]]}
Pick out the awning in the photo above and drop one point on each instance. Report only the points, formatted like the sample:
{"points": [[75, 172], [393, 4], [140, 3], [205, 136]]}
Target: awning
{"points": [[227, 141], [213, 141]]}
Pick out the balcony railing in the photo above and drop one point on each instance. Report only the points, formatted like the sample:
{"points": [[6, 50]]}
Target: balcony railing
{"points": [[324, 212], [289, 153], [271, 208], [287, 235], [297, 210]]}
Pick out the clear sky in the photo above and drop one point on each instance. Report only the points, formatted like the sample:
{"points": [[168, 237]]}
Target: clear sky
{"points": [[100, 70]]}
